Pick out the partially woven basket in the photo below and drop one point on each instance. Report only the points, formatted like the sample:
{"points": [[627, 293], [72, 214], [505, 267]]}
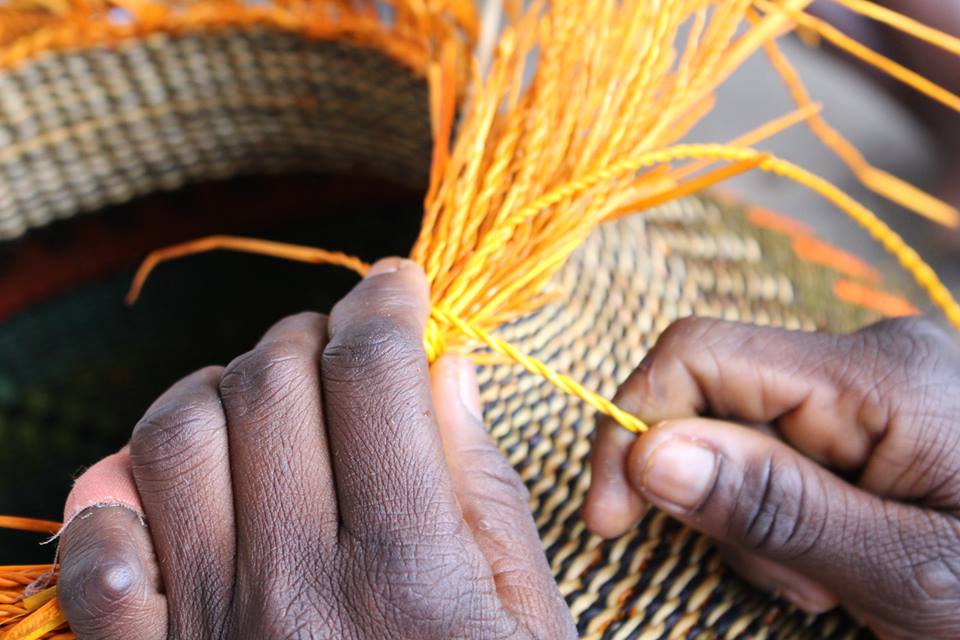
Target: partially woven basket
{"points": [[84, 129], [87, 129]]}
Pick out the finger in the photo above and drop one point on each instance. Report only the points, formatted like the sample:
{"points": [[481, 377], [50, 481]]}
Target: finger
{"points": [[107, 483], [387, 455], [495, 504], [805, 593], [109, 585], [612, 506], [895, 562], [885, 394], [757, 374], [284, 495], [179, 457]]}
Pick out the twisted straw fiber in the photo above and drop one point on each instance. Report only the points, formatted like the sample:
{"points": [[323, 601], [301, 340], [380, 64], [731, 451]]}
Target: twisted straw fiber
{"points": [[80, 131]]}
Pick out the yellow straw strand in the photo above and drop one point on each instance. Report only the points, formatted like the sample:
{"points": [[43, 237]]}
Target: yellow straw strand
{"points": [[904, 24], [244, 245], [893, 69], [47, 618], [432, 340], [878, 181], [562, 382]]}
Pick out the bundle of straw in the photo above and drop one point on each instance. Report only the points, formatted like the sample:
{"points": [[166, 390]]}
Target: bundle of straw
{"points": [[570, 120]]}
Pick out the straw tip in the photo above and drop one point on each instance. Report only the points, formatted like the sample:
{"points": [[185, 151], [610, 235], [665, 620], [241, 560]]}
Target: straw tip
{"points": [[132, 296]]}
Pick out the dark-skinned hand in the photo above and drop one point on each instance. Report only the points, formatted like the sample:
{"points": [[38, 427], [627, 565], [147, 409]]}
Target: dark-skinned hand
{"points": [[827, 467], [317, 487]]}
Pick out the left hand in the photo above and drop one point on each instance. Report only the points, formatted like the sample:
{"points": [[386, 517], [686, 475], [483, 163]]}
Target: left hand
{"points": [[318, 487]]}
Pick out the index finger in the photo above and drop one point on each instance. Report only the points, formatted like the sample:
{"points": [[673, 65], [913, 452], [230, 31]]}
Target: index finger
{"points": [[385, 446], [838, 399]]}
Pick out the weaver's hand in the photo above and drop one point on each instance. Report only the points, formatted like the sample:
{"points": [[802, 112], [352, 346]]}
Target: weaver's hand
{"points": [[830, 467], [316, 488]]}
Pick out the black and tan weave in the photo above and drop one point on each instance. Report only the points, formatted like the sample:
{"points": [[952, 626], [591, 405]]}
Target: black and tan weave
{"points": [[85, 130]]}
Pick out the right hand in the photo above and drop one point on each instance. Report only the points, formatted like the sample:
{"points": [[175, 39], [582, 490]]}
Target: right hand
{"points": [[829, 467]]}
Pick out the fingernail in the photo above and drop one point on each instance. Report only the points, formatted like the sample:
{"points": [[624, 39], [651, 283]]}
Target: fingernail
{"points": [[388, 265], [678, 474], [468, 389], [813, 600]]}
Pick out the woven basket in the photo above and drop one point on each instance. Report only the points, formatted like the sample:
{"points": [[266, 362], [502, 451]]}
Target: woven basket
{"points": [[81, 131]]}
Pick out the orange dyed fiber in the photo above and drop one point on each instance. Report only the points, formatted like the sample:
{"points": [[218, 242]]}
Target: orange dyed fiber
{"points": [[29, 28], [575, 121]]}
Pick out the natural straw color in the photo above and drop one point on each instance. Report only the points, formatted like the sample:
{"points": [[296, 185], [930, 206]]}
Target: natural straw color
{"points": [[576, 122]]}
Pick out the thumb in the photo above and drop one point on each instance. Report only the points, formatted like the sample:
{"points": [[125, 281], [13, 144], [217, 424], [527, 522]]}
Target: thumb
{"points": [[495, 504], [887, 561], [109, 585]]}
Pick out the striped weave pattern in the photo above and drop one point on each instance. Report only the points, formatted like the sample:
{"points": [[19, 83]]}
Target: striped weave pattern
{"points": [[80, 131]]}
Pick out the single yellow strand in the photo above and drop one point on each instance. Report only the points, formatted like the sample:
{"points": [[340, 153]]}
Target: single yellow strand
{"points": [[247, 245], [904, 23], [19, 568], [537, 367], [29, 524]]}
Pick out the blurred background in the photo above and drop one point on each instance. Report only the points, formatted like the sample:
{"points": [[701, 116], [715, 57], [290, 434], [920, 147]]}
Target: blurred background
{"points": [[896, 129]]}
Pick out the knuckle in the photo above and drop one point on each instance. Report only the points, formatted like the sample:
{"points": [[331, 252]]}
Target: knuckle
{"points": [[491, 474], [176, 430], [921, 567], [257, 382], [113, 584], [910, 343], [937, 581], [681, 342], [775, 508], [689, 331], [372, 349], [281, 606], [306, 321], [97, 593], [896, 367], [913, 326], [431, 587]]}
